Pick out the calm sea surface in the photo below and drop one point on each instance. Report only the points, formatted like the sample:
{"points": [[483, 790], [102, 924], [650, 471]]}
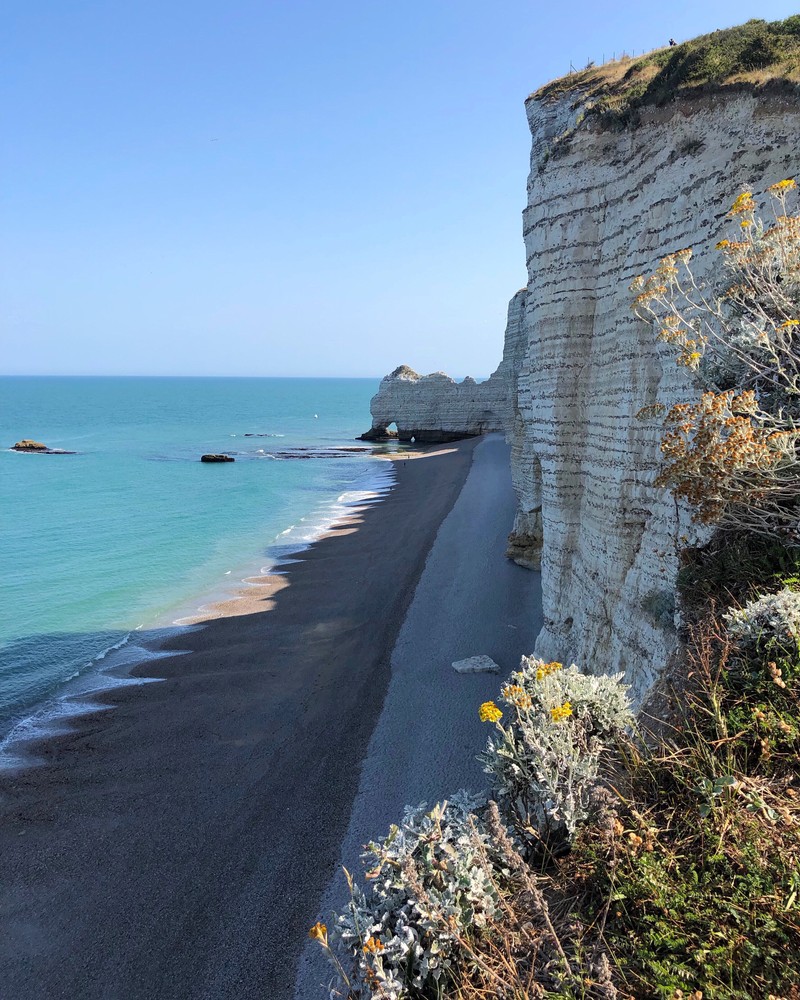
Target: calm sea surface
{"points": [[134, 530]]}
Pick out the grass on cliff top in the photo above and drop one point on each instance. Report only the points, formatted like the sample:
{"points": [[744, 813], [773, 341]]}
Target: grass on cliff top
{"points": [[754, 53]]}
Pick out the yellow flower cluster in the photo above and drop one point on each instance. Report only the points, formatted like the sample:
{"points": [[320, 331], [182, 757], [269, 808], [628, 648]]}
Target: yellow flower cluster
{"points": [[723, 244], [561, 712], [781, 186], [744, 203], [489, 712], [788, 323], [319, 932], [372, 946], [546, 669], [515, 694]]}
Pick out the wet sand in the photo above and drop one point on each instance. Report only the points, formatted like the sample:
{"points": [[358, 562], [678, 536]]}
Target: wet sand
{"points": [[179, 845]]}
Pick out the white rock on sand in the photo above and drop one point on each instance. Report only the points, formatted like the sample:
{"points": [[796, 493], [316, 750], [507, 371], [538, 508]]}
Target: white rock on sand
{"points": [[476, 665]]}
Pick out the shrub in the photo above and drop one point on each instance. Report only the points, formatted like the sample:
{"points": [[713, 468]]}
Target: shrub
{"points": [[445, 882], [685, 916], [734, 568], [766, 639], [732, 453], [429, 885], [697, 890], [771, 621], [545, 759]]}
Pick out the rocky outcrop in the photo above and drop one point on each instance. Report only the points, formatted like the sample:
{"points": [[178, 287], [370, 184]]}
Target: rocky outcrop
{"points": [[26, 444], [602, 208], [217, 458], [476, 665], [436, 408], [37, 448]]}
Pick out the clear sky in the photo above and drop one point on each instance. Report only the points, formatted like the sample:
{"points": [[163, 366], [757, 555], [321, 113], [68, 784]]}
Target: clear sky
{"points": [[281, 187]]}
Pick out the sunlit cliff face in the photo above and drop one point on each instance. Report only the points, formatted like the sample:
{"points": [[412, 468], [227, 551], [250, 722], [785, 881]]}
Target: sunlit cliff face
{"points": [[602, 208]]}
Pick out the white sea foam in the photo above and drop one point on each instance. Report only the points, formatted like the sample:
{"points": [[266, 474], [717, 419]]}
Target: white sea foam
{"points": [[75, 696]]}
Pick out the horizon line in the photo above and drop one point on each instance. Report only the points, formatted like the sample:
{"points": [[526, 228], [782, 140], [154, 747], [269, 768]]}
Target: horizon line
{"points": [[175, 375]]}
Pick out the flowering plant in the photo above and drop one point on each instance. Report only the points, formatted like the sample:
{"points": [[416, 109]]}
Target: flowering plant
{"points": [[432, 883], [545, 759], [766, 632], [733, 453]]}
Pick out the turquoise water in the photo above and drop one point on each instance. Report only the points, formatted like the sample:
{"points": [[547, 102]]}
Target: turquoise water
{"points": [[133, 529]]}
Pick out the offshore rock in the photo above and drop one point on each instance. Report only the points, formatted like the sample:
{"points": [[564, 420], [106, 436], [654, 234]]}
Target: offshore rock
{"points": [[604, 207], [217, 458], [27, 445], [435, 408], [36, 447]]}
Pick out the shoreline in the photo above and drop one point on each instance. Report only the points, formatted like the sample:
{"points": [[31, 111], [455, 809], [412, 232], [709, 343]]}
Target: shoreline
{"points": [[74, 695], [145, 856], [256, 593]]}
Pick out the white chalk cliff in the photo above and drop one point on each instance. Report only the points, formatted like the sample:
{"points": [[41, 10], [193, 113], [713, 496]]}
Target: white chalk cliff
{"points": [[602, 208], [436, 408]]}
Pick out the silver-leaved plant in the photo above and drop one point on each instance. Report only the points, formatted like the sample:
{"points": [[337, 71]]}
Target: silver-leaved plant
{"points": [[431, 881], [545, 756], [771, 620]]}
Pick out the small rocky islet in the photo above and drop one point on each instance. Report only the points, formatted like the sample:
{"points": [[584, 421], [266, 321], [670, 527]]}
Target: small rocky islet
{"points": [[37, 448]]}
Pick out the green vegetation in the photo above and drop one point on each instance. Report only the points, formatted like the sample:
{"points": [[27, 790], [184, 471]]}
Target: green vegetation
{"points": [[754, 53], [698, 889], [735, 567]]}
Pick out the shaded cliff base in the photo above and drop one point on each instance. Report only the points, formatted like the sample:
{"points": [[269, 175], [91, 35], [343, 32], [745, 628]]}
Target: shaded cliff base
{"points": [[469, 600], [415, 435]]}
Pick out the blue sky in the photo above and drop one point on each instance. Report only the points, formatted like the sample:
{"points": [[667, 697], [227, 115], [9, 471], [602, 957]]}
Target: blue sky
{"points": [[283, 187]]}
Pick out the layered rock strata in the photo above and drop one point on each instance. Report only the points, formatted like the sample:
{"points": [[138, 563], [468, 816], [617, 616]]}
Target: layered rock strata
{"points": [[602, 208], [436, 408]]}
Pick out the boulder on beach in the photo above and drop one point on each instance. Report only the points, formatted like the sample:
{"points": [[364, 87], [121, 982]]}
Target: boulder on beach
{"points": [[217, 458], [476, 665]]}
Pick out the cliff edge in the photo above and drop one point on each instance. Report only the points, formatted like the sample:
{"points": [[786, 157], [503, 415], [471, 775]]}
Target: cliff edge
{"points": [[604, 205]]}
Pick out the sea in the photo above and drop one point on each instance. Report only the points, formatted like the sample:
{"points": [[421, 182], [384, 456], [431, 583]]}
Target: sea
{"points": [[105, 550]]}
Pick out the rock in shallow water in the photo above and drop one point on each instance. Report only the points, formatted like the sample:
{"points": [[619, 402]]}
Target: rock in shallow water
{"points": [[476, 665], [217, 458], [37, 448], [27, 445]]}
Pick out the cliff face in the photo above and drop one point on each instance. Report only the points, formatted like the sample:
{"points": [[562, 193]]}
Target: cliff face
{"points": [[602, 208], [437, 408]]}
